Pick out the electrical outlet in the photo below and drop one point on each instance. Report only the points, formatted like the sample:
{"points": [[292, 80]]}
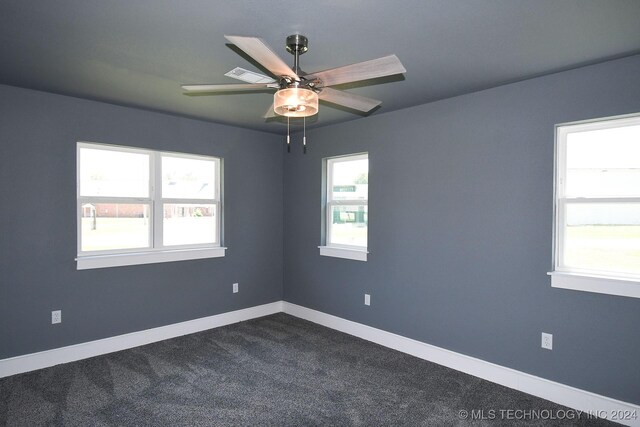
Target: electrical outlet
{"points": [[235, 288], [547, 341], [56, 317], [367, 299]]}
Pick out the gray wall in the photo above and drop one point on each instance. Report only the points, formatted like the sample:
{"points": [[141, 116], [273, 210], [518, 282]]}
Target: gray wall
{"points": [[38, 134], [460, 228], [460, 220]]}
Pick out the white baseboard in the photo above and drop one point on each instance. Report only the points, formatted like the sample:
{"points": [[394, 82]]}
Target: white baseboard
{"points": [[45, 359], [574, 398], [580, 400]]}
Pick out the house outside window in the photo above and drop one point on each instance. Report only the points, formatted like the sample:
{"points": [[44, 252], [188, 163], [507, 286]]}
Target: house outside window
{"points": [[597, 206], [139, 206], [346, 206]]}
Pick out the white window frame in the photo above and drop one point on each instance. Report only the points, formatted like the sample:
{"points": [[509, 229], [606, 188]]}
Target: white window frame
{"points": [[577, 279], [157, 251], [353, 252]]}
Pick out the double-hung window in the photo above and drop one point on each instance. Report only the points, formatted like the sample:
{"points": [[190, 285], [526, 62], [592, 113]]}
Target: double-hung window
{"points": [[346, 209], [597, 206], [137, 206]]}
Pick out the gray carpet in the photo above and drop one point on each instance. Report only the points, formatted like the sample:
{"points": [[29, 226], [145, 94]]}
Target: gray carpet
{"points": [[276, 370]]}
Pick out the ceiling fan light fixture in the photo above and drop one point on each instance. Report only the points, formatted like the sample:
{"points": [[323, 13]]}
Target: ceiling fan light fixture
{"points": [[295, 102]]}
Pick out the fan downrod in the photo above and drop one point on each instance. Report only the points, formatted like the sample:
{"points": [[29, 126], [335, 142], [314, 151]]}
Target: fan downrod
{"points": [[297, 44]]}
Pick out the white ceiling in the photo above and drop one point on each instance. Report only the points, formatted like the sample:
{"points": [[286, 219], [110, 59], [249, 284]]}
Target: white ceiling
{"points": [[138, 52]]}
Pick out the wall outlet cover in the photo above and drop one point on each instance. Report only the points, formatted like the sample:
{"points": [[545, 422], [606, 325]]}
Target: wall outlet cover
{"points": [[56, 317], [547, 341]]}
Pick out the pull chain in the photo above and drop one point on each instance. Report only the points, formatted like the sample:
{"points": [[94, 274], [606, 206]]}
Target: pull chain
{"points": [[304, 135], [288, 137]]}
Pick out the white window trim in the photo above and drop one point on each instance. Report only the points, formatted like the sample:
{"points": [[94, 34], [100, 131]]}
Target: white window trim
{"points": [[156, 253], [346, 253], [581, 280], [597, 284], [352, 252], [147, 257]]}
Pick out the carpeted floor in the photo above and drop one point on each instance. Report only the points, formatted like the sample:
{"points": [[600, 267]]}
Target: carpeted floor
{"points": [[276, 370]]}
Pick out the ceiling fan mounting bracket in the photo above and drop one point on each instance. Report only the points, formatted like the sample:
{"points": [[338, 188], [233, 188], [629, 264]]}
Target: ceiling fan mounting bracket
{"points": [[297, 43]]}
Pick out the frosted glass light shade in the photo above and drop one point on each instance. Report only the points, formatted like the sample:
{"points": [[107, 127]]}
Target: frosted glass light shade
{"points": [[295, 102]]}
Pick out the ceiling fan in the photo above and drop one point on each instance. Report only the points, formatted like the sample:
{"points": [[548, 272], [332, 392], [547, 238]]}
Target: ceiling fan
{"points": [[297, 93]]}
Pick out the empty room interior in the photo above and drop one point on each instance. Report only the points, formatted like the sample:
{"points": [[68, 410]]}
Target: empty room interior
{"points": [[185, 234]]}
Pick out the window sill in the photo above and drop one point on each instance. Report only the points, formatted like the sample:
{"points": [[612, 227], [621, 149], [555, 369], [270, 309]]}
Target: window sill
{"points": [[150, 257], [599, 284], [354, 254]]}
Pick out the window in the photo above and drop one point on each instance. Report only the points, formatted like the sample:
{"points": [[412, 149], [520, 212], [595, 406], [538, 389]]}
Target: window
{"points": [[597, 206], [139, 206], [346, 208]]}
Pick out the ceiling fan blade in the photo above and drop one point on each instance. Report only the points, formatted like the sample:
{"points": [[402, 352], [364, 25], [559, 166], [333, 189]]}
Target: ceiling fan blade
{"points": [[227, 87], [261, 52], [347, 99], [380, 67]]}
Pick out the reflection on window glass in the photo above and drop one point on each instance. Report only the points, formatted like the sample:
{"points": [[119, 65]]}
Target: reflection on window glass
{"points": [[186, 224], [603, 162], [113, 173], [350, 180], [603, 237], [184, 178], [108, 226], [348, 225]]}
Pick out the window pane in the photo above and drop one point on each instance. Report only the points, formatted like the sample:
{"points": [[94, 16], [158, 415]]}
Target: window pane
{"points": [[110, 173], [603, 237], [184, 178], [350, 180], [107, 226], [348, 225], [603, 162], [186, 224]]}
